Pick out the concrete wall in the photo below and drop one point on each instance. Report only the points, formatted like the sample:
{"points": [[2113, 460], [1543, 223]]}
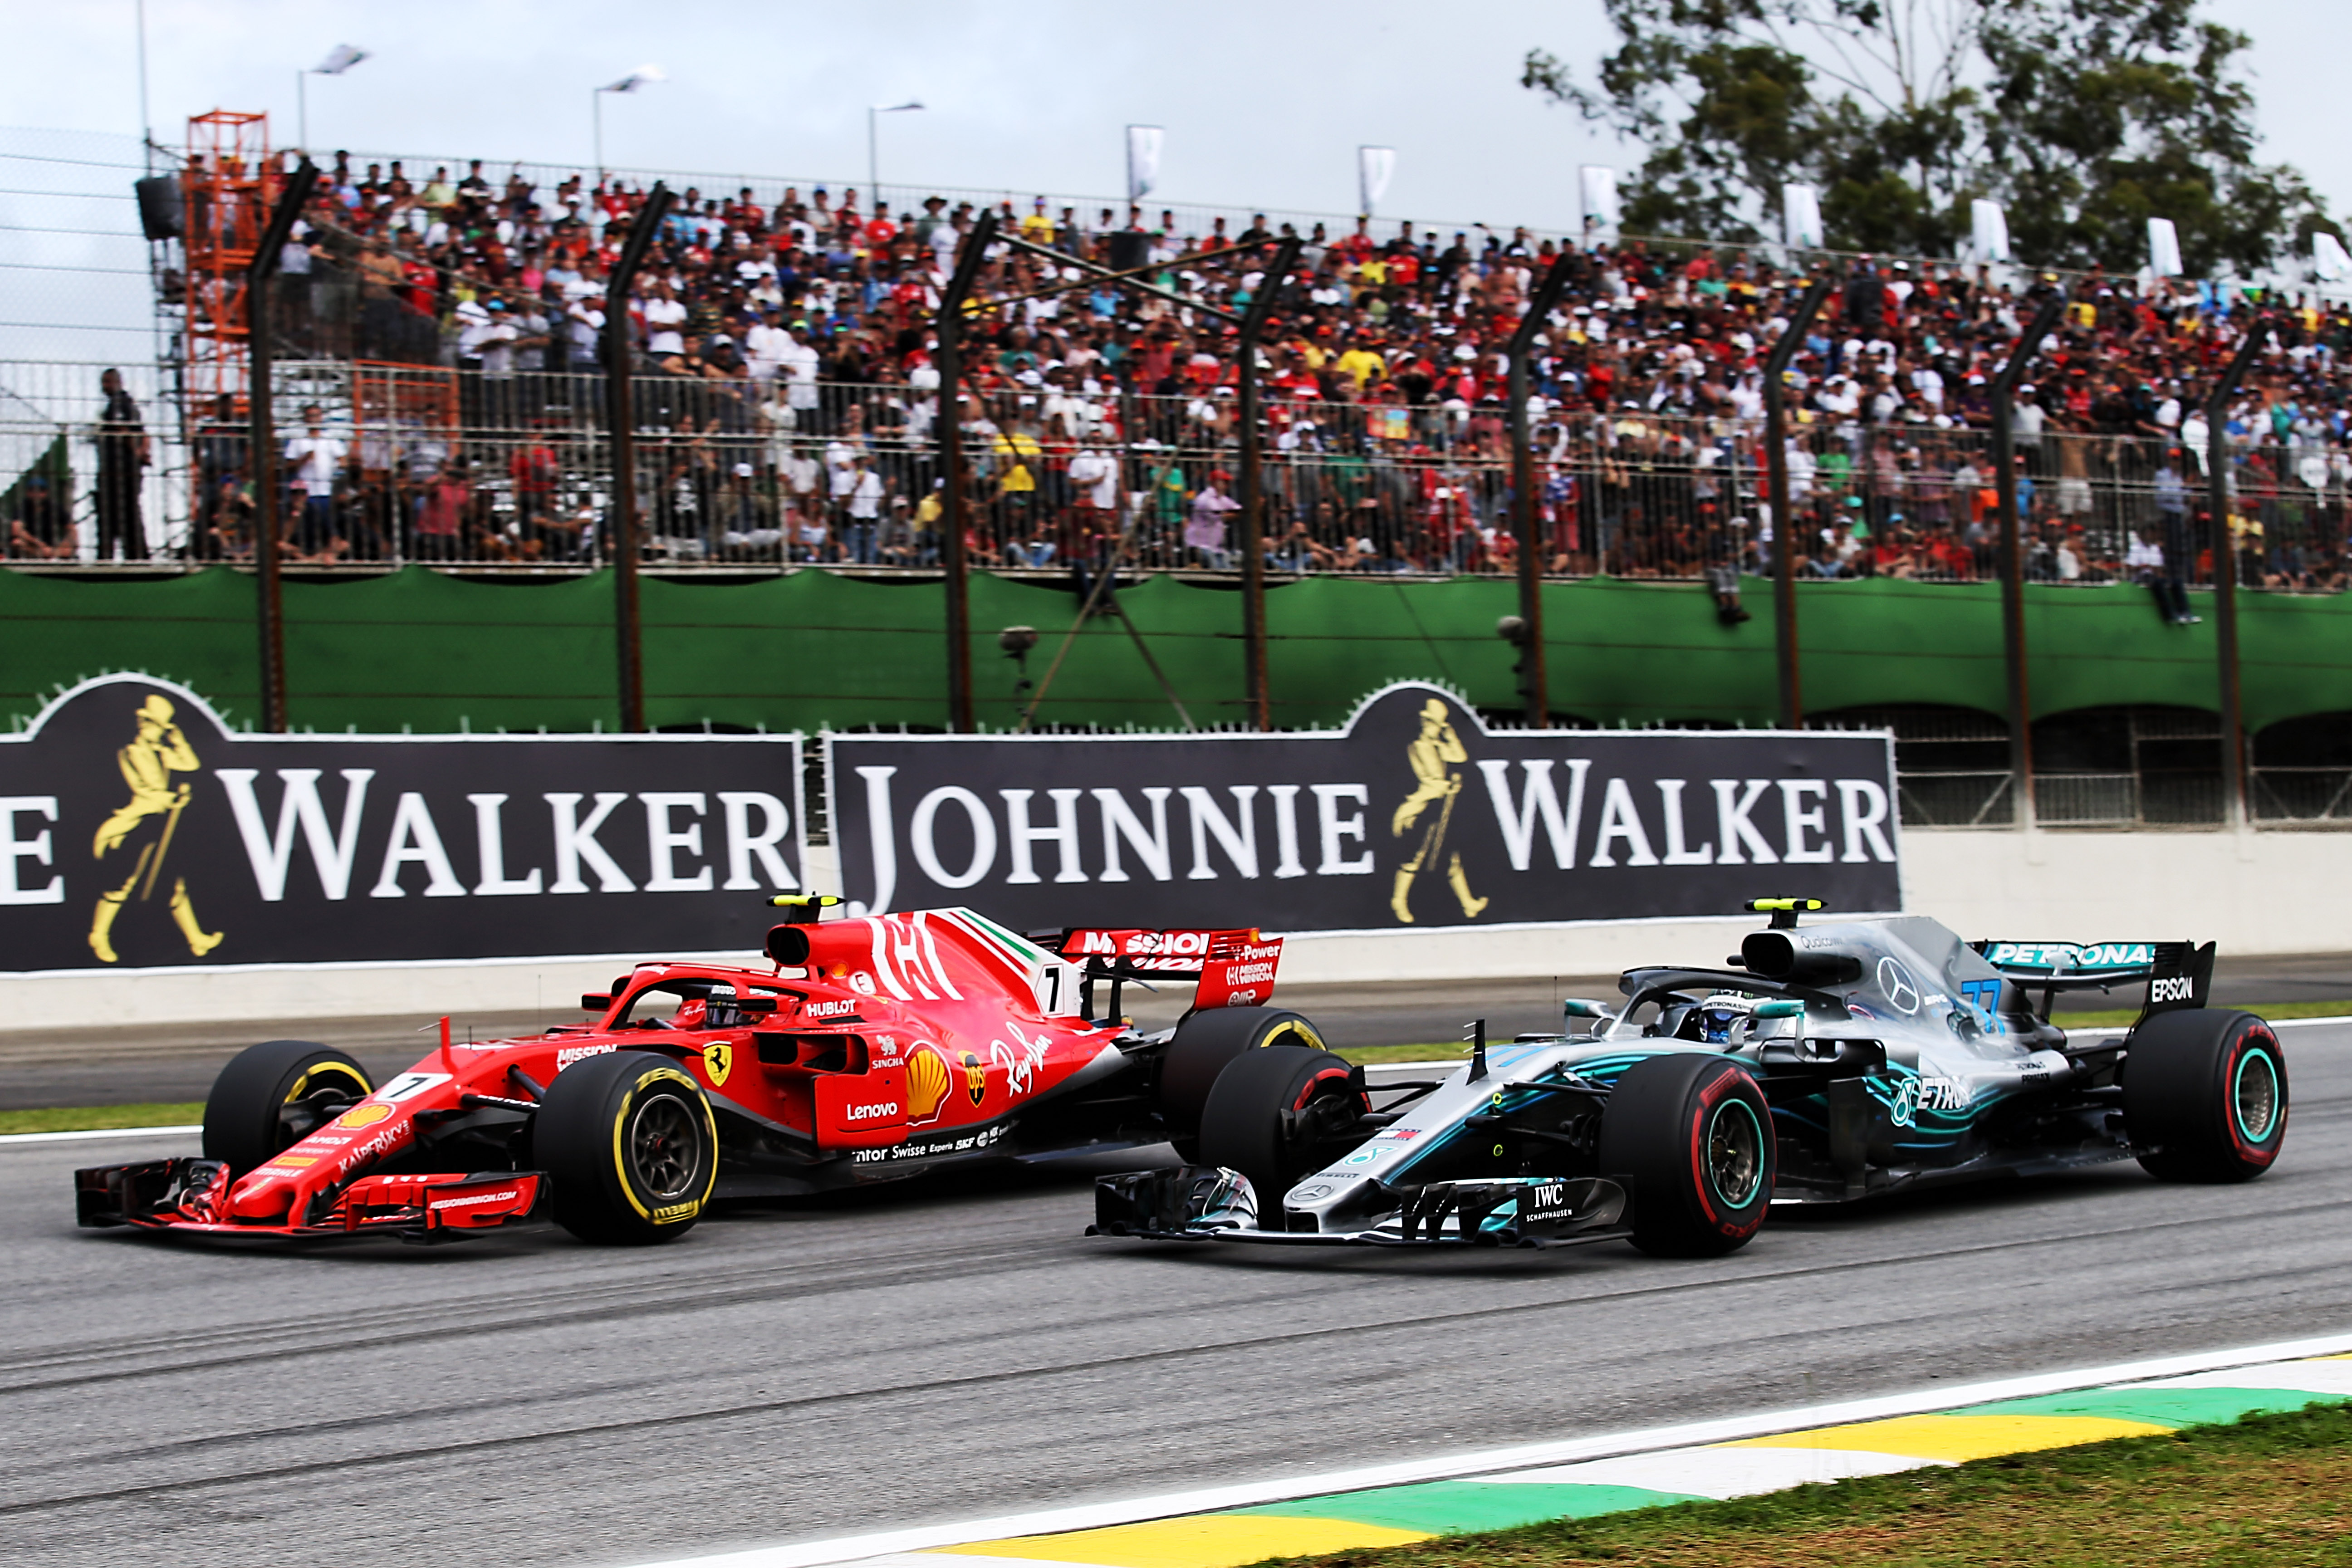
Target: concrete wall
{"points": [[2253, 893]]}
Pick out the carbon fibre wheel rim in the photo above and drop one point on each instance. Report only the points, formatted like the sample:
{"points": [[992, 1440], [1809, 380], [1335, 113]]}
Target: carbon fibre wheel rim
{"points": [[2254, 1096], [664, 1153], [1734, 1152]]}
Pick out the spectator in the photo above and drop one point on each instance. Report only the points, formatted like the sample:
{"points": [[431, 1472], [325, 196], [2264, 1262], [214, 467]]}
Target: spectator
{"points": [[123, 454]]}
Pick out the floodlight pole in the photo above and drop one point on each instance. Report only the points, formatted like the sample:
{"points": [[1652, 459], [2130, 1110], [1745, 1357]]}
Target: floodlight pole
{"points": [[956, 569], [1784, 528], [267, 556], [1255, 681], [2012, 553], [1522, 491], [623, 534], [2225, 569]]}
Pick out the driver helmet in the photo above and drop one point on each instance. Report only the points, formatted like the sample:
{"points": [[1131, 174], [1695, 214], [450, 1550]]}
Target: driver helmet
{"points": [[1719, 1015]]}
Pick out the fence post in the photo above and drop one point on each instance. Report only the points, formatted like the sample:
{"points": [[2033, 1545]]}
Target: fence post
{"points": [[2012, 554], [624, 536], [2225, 568], [1254, 679], [268, 565], [1523, 491], [956, 570], [1784, 528]]}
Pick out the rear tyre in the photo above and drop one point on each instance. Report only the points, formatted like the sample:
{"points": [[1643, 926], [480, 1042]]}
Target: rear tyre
{"points": [[1204, 1042], [2205, 1095], [1694, 1136], [272, 1096], [630, 1145], [1271, 1115]]}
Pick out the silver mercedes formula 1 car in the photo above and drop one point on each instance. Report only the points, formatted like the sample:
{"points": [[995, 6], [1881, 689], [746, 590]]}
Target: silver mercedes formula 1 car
{"points": [[1821, 1066]]}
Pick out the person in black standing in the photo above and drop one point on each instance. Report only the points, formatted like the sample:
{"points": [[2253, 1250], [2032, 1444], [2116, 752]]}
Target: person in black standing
{"points": [[123, 456]]}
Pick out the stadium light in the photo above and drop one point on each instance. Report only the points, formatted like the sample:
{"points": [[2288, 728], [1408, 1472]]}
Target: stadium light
{"points": [[873, 162], [340, 58], [636, 79]]}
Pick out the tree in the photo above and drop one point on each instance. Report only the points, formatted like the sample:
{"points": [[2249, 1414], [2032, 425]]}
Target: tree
{"points": [[2084, 118]]}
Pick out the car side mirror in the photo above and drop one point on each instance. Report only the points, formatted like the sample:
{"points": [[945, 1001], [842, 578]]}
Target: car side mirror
{"points": [[594, 1002], [1783, 1007], [1584, 1008], [755, 1006]]}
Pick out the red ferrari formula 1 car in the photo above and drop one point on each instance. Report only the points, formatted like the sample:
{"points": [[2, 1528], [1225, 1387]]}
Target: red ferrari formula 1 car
{"points": [[863, 1050]]}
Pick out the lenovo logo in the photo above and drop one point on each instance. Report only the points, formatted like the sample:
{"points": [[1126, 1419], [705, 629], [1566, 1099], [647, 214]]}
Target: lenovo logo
{"points": [[875, 1112]]}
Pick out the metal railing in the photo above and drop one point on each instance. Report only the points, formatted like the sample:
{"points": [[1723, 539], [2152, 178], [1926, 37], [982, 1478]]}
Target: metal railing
{"points": [[488, 466]]}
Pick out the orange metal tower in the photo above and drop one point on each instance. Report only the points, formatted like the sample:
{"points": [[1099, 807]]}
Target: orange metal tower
{"points": [[227, 188]]}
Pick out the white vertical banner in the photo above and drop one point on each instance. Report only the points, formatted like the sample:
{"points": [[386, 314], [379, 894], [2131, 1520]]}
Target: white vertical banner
{"points": [[2330, 259], [1800, 218], [1374, 168], [1601, 207], [1989, 231], [1142, 160], [2163, 247]]}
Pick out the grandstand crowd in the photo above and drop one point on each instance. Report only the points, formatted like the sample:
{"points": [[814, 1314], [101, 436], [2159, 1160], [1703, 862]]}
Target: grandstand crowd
{"points": [[787, 397]]}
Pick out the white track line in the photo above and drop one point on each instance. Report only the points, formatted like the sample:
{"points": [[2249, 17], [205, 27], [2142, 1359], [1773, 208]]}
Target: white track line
{"points": [[9, 1138], [1246, 1494]]}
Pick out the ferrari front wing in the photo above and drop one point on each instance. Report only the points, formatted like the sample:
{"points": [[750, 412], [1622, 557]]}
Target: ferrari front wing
{"points": [[1202, 1203], [187, 1196]]}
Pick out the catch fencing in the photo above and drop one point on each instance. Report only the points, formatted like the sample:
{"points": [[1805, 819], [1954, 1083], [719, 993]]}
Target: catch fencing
{"points": [[493, 469]]}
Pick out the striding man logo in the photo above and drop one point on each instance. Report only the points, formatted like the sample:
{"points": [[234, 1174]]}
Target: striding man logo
{"points": [[149, 820], [1434, 756]]}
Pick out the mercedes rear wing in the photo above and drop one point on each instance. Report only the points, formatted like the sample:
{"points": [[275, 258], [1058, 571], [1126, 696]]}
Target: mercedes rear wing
{"points": [[1232, 968], [2177, 974]]}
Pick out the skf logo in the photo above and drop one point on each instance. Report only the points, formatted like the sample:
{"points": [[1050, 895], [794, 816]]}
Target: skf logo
{"points": [[878, 1112], [975, 1078], [719, 1061]]}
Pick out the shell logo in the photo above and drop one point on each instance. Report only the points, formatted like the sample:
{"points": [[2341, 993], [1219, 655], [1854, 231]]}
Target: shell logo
{"points": [[926, 1084], [363, 1116]]}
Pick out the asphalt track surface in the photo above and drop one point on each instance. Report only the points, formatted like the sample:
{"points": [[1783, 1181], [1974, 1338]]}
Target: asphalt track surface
{"points": [[959, 1350], [106, 1065]]}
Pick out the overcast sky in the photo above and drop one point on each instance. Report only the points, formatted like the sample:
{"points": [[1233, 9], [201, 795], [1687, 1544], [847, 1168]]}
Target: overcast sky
{"points": [[1261, 102]]}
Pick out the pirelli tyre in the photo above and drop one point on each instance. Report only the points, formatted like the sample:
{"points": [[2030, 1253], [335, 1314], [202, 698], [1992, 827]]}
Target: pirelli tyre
{"points": [[1204, 1042], [1694, 1133], [630, 1147], [273, 1095], [1276, 1114], [2205, 1095]]}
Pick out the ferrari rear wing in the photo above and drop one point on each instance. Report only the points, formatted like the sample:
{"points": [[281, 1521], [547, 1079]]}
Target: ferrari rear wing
{"points": [[1233, 968], [2177, 974]]}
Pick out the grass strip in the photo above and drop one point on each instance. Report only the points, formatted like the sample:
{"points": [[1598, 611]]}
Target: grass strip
{"points": [[2267, 1488], [100, 1118], [2274, 1010]]}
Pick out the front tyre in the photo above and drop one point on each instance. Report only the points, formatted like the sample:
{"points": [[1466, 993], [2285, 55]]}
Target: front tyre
{"points": [[272, 1096], [1204, 1042], [2205, 1095], [1694, 1136], [631, 1147], [1275, 1114]]}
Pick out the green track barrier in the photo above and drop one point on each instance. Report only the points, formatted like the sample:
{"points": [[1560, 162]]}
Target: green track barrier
{"points": [[428, 652]]}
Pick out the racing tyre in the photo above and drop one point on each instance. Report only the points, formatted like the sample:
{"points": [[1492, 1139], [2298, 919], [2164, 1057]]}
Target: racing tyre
{"points": [[631, 1147], [2205, 1093], [1205, 1042], [273, 1095], [1694, 1136], [1268, 1116]]}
